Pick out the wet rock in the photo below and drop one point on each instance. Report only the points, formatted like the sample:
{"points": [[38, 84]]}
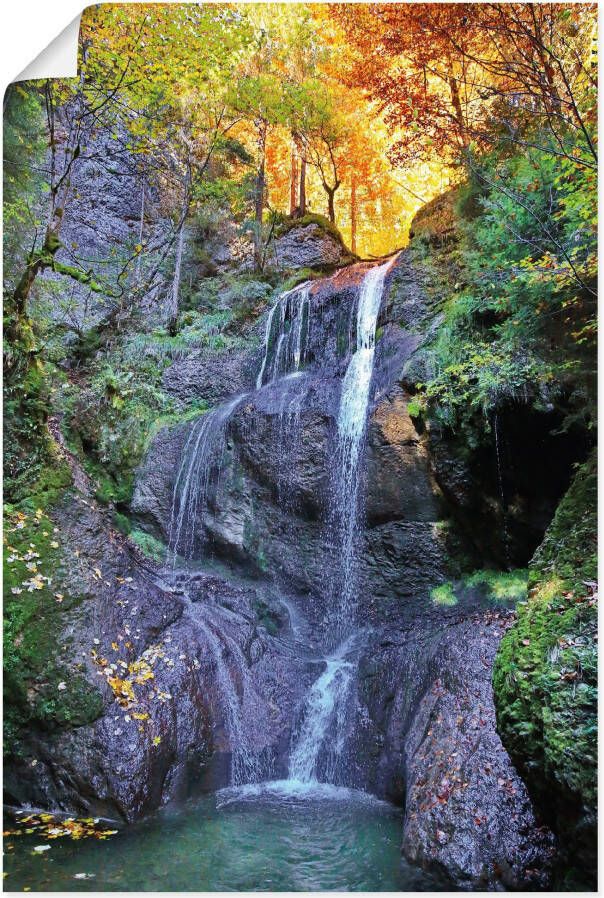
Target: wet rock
{"points": [[172, 737], [399, 483], [211, 375], [151, 502], [425, 737], [467, 812]]}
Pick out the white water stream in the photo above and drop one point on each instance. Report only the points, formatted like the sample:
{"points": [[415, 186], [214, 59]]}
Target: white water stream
{"points": [[292, 308], [203, 449], [351, 427]]}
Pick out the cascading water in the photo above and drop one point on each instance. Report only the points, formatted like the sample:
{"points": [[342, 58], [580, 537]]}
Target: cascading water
{"points": [[203, 450], [288, 433], [323, 718], [245, 764], [284, 351], [318, 740], [351, 427]]}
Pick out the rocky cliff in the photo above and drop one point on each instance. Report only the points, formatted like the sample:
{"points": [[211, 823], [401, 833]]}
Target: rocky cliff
{"points": [[195, 675]]}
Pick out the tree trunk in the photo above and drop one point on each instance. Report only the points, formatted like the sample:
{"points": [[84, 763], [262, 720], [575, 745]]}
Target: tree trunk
{"points": [[259, 199], [293, 183], [302, 203], [457, 108], [331, 209], [353, 214]]}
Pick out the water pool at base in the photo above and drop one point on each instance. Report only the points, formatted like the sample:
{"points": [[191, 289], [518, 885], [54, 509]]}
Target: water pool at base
{"points": [[257, 841]]}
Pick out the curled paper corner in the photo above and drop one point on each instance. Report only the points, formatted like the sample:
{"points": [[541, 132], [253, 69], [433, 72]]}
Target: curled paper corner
{"points": [[59, 59]]}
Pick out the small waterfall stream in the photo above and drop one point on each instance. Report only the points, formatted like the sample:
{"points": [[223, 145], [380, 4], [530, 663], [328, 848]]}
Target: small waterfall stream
{"points": [[351, 427], [246, 766], [193, 481], [286, 335], [322, 727], [323, 718]]}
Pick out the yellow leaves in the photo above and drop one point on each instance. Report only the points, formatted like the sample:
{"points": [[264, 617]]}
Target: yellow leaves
{"points": [[36, 582], [141, 671], [156, 740], [136, 673], [123, 691], [97, 573], [50, 827]]}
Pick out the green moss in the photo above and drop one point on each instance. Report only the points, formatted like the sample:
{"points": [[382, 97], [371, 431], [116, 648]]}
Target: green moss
{"points": [[298, 277], [500, 585], [483, 587], [310, 218], [40, 688], [28, 447], [444, 595], [149, 545], [545, 676], [122, 522]]}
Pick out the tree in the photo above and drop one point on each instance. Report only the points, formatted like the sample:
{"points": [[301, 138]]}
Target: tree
{"points": [[259, 97]]}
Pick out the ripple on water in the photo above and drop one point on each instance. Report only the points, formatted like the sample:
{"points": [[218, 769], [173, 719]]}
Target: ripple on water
{"points": [[277, 836]]}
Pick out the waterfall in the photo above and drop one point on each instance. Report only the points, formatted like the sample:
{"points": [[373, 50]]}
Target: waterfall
{"points": [[317, 748], [203, 450], [244, 768], [351, 427], [246, 764], [323, 718], [292, 313], [288, 433]]}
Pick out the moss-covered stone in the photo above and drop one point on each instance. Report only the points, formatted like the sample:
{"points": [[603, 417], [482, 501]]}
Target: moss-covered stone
{"points": [[545, 679], [150, 546], [483, 588], [310, 218], [41, 686]]}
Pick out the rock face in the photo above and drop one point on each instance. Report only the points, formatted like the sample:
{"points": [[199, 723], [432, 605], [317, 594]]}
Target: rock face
{"points": [[467, 812], [166, 738], [103, 227], [210, 375], [235, 649], [423, 690], [309, 246], [546, 685]]}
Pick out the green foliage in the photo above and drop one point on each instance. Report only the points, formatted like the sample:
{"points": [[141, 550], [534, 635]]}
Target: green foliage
{"points": [[23, 152], [500, 585], [149, 545], [108, 419], [40, 689], [31, 462], [444, 595], [483, 586], [545, 674], [518, 325]]}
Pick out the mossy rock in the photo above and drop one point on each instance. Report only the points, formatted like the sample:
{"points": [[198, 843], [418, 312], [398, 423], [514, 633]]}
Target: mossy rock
{"points": [[42, 690], [310, 218], [545, 680], [436, 221]]}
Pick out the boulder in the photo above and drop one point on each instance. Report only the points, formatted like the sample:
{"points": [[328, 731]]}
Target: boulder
{"points": [[309, 245]]}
